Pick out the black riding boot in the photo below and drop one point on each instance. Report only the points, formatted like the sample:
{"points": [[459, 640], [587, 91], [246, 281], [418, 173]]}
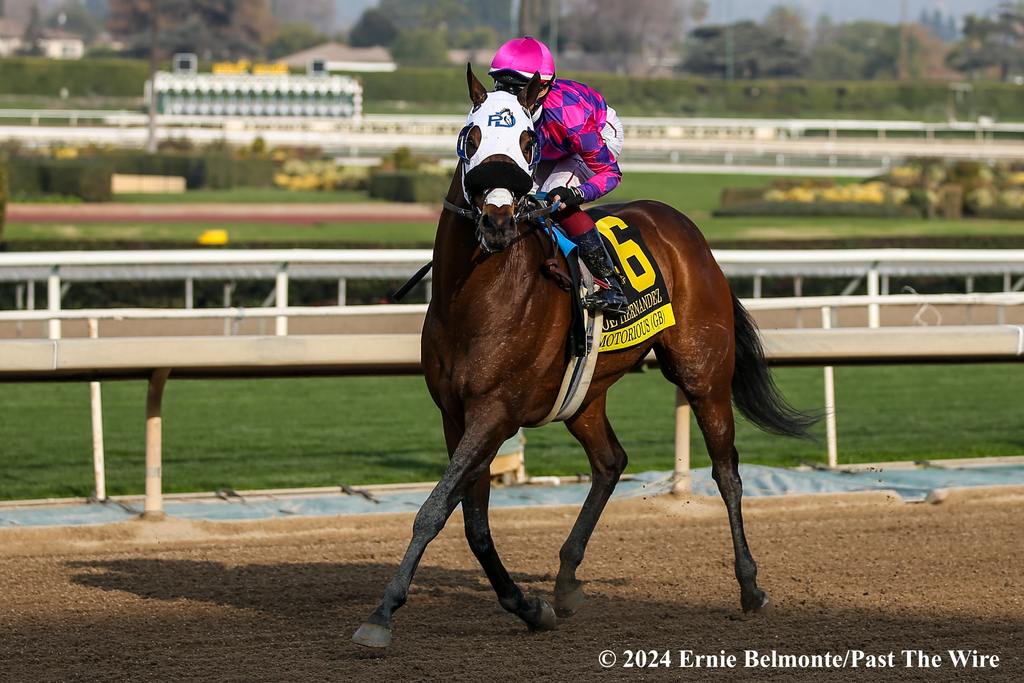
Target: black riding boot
{"points": [[612, 301]]}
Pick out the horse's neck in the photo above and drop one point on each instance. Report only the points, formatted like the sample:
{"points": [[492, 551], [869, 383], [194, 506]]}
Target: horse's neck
{"points": [[496, 285]]}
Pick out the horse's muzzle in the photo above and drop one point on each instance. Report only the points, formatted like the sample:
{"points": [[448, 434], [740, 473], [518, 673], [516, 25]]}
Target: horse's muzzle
{"points": [[496, 228]]}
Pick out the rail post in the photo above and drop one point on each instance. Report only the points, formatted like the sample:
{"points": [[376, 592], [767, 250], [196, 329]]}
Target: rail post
{"points": [[96, 410], [53, 302], [153, 508], [281, 301], [830, 398], [874, 310], [682, 482]]}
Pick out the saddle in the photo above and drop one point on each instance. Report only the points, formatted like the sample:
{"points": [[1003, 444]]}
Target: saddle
{"points": [[585, 328], [650, 310]]}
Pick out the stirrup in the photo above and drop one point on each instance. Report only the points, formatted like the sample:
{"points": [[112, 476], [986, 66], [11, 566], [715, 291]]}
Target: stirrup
{"points": [[612, 302]]}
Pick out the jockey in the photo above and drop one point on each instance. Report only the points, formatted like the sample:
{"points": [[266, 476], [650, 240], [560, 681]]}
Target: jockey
{"points": [[580, 139]]}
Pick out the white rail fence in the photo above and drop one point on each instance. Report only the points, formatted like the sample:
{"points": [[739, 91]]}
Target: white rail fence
{"points": [[870, 269], [156, 359], [445, 124], [814, 143]]}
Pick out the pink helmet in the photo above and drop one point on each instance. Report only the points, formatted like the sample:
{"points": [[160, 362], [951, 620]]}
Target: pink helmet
{"points": [[524, 56]]}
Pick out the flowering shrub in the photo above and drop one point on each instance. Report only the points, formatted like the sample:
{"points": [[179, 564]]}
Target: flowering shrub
{"points": [[867, 193], [928, 187], [325, 175]]}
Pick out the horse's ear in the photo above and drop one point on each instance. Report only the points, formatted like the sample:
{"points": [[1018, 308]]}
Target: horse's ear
{"points": [[528, 95], [477, 92]]}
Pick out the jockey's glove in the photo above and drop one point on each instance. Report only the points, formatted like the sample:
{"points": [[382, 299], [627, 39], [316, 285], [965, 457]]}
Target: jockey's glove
{"points": [[569, 196]]}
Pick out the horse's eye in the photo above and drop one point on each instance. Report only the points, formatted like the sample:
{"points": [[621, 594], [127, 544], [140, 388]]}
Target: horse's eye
{"points": [[473, 142], [526, 144]]}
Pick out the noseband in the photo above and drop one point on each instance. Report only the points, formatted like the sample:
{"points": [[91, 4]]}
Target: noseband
{"points": [[528, 209]]}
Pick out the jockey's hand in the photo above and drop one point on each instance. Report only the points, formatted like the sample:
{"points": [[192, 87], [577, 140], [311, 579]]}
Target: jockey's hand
{"points": [[568, 196]]}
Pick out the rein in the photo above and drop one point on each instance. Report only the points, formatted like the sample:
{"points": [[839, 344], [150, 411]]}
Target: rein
{"points": [[474, 213], [551, 267]]}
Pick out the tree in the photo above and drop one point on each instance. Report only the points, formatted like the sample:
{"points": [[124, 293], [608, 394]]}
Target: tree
{"points": [[755, 52], [531, 16], [697, 10], [99, 9], [292, 38], [864, 50], [31, 40], [635, 35], [991, 44], [374, 27], [787, 22], [214, 29], [420, 47], [451, 16], [477, 38], [74, 17], [942, 27]]}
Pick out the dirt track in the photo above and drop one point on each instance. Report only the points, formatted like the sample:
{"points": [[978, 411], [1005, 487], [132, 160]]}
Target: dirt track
{"points": [[278, 600], [180, 212]]}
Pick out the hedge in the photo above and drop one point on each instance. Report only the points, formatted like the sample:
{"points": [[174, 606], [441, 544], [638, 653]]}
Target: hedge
{"points": [[688, 96], [86, 179], [425, 89], [3, 201], [215, 170], [82, 77], [89, 178], [852, 209], [408, 186]]}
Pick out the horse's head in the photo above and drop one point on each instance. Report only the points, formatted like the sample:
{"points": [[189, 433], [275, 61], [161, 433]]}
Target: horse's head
{"points": [[499, 153]]}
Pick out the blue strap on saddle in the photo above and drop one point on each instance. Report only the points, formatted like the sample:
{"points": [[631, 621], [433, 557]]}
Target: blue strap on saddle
{"points": [[564, 243]]}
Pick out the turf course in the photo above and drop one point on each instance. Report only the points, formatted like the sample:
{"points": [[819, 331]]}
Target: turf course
{"points": [[321, 432], [356, 234], [694, 194]]}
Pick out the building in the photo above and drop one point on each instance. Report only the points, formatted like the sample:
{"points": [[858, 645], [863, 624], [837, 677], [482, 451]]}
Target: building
{"points": [[54, 44], [316, 13], [57, 44], [10, 36], [258, 95], [338, 57]]}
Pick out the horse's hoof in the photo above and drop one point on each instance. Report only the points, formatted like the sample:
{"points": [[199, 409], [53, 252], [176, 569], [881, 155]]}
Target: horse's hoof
{"points": [[372, 635], [546, 619], [760, 604], [569, 602]]}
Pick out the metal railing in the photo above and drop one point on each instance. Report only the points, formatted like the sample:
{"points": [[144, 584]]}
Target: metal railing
{"points": [[812, 143], [867, 268], [218, 357]]}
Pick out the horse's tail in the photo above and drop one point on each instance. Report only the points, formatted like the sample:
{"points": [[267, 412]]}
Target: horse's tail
{"points": [[753, 390]]}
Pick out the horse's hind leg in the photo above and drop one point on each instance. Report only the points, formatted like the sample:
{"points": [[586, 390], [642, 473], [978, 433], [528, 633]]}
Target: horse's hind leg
{"points": [[537, 614], [607, 461], [710, 397], [715, 418]]}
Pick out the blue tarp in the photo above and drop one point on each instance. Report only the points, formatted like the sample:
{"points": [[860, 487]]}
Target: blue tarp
{"points": [[910, 484]]}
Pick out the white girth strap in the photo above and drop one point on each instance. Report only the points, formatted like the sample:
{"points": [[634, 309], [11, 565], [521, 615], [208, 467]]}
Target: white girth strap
{"points": [[580, 372]]}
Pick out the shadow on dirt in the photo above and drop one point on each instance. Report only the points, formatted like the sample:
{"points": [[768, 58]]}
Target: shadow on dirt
{"points": [[174, 619]]}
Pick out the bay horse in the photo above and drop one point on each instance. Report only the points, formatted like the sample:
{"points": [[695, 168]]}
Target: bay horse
{"points": [[493, 353]]}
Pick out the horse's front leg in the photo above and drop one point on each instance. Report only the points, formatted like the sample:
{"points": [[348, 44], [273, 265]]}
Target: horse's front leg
{"points": [[607, 461], [470, 459], [537, 613]]}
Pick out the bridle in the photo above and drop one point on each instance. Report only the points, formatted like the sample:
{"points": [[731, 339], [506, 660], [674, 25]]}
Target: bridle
{"points": [[528, 208]]}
